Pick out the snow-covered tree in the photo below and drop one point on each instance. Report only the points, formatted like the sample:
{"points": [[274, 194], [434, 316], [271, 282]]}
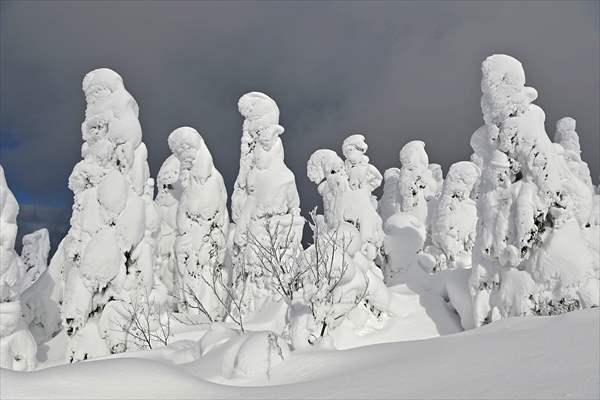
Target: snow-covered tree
{"points": [[389, 203], [169, 190], [108, 257], [407, 194], [530, 208], [342, 204], [567, 137], [456, 215], [416, 181], [36, 246], [352, 223], [17, 346], [361, 174], [436, 192], [265, 194], [202, 223]]}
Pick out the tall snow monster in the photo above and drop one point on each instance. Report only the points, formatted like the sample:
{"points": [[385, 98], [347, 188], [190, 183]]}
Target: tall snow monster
{"points": [[264, 202], [530, 254], [202, 222], [17, 346], [350, 235], [106, 262]]}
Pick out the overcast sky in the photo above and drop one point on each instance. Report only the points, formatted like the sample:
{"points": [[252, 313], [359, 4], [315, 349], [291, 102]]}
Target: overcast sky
{"points": [[394, 71]]}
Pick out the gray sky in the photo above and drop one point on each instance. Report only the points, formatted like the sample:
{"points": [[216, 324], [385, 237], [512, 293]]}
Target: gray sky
{"points": [[394, 71]]}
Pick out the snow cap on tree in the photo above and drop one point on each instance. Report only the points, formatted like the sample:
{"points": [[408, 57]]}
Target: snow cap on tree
{"points": [[566, 135], [323, 163], [356, 141], [413, 155], [188, 146], [168, 173], [100, 79], [260, 111], [503, 88], [184, 142]]}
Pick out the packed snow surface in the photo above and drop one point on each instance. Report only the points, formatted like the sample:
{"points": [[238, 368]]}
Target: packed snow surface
{"points": [[543, 357]]}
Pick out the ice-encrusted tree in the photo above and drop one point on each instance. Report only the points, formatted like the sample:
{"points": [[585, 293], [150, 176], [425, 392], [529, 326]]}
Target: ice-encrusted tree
{"points": [[40, 312], [169, 190], [530, 208], [389, 203], [202, 222], [453, 229], [407, 194], [265, 199], [17, 345], [567, 137], [350, 218], [107, 258], [36, 246], [416, 182], [437, 185], [361, 174], [342, 204]]}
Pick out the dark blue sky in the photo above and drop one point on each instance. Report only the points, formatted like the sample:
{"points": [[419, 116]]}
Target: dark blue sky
{"points": [[395, 71]]}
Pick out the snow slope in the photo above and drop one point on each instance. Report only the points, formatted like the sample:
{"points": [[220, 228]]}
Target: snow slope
{"points": [[542, 357]]}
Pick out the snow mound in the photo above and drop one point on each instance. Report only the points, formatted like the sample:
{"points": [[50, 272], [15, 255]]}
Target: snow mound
{"points": [[556, 358]]}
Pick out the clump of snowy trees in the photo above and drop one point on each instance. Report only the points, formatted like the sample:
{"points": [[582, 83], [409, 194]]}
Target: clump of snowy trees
{"points": [[511, 232], [17, 274]]}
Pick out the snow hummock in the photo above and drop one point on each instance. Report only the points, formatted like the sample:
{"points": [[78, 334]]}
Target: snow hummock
{"points": [[556, 357]]}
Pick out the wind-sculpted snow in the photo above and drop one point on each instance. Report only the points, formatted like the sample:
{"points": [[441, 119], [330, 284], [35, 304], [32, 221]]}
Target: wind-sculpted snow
{"points": [[410, 199], [416, 183], [456, 215], [36, 246], [531, 206], [389, 203], [167, 201], [351, 222], [17, 345], [568, 138], [265, 200], [107, 259], [361, 174], [342, 203], [202, 221], [561, 351]]}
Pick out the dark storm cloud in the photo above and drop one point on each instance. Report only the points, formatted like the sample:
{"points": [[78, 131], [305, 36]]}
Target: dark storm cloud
{"points": [[395, 71]]}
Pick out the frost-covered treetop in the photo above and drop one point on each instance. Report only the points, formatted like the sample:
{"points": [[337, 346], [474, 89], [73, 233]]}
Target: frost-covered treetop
{"points": [[184, 142], [191, 151], [259, 111], [167, 181], [8, 203], [354, 148], [413, 156], [461, 178], [436, 171], [111, 133], [104, 90], [503, 87], [566, 135], [322, 164], [12, 268]]}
